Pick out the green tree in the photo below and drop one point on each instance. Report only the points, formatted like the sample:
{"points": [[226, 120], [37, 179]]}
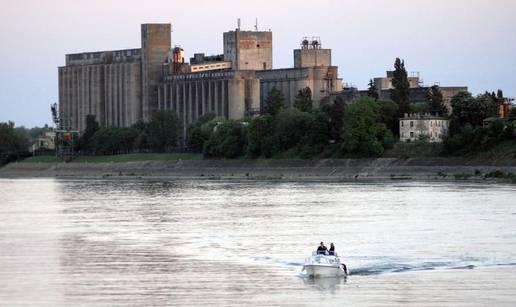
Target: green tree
{"points": [[303, 101], [32, 133], [363, 135], [423, 138], [104, 141], [510, 131], [227, 140], [290, 128], [419, 107], [494, 133], [275, 102], [200, 131], [372, 91], [141, 140], [13, 144], [317, 137], [471, 110], [92, 126], [335, 114], [436, 101], [163, 130], [127, 139], [113, 140], [260, 139], [388, 115], [400, 92], [499, 94], [512, 115]]}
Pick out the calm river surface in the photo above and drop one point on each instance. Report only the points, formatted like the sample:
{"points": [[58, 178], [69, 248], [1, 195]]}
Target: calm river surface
{"points": [[156, 243]]}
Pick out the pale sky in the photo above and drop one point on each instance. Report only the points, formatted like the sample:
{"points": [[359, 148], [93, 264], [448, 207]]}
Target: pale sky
{"points": [[454, 42]]}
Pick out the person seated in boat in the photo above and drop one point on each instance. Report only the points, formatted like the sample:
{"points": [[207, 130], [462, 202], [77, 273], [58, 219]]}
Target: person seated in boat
{"points": [[331, 251], [322, 250]]}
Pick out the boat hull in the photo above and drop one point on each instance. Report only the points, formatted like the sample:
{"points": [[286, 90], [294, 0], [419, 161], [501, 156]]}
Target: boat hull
{"points": [[314, 270]]}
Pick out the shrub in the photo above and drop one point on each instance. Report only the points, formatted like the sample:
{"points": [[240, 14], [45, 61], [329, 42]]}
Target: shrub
{"points": [[496, 174], [290, 127], [462, 176], [260, 137], [199, 132], [363, 135], [228, 140]]}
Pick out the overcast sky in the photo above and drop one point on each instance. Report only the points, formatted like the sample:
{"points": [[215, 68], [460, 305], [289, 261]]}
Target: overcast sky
{"points": [[454, 42]]}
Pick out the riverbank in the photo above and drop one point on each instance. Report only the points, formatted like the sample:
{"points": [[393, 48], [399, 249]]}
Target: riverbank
{"points": [[331, 170]]}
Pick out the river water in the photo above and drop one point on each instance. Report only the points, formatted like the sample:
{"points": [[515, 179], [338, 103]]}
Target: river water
{"points": [[199, 243]]}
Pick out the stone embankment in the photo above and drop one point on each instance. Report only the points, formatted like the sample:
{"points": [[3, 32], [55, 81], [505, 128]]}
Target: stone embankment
{"points": [[331, 170]]}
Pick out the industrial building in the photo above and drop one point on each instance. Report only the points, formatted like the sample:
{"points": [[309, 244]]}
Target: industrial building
{"points": [[236, 84], [119, 87], [122, 87], [417, 91]]}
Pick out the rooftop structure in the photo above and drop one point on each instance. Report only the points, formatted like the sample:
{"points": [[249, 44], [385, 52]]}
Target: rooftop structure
{"points": [[311, 54], [248, 50], [385, 83]]}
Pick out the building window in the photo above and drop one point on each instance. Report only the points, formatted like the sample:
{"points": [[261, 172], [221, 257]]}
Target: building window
{"points": [[411, 124], [402, 124], [411, 134]]}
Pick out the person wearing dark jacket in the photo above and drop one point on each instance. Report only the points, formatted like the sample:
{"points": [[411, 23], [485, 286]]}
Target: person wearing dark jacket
{"points": [[322, 250], [332, 250]]}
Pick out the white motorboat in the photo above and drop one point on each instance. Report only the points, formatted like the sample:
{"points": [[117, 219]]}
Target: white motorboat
{"points": [[324, 265]]}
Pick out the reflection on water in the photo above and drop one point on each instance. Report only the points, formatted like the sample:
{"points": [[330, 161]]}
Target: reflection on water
{"points": [[140, 243], [325, 284]]}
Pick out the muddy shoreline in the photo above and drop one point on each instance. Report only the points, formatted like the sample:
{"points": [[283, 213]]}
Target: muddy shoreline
{"points": [[442, 169]]}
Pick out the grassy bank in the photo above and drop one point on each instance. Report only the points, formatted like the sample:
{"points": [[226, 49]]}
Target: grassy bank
{"points": [[504, 150], [120, 158]]}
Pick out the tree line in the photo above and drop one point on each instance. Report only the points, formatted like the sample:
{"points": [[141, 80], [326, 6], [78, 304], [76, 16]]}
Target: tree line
{"points": [[333, 130], [364, 128], [14, 143], [469, 133], [160, 134]]}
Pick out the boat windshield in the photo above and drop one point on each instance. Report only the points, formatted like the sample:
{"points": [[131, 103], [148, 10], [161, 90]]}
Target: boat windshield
{"points": [[315, 253], [323, 259]]}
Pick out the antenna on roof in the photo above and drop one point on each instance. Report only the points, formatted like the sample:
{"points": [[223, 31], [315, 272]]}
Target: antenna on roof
{"points": [[238, 24], [256, 25]]}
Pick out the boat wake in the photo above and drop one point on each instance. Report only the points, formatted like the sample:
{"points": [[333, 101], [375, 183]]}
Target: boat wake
{"points": [[387, 267], [377, 269]]}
